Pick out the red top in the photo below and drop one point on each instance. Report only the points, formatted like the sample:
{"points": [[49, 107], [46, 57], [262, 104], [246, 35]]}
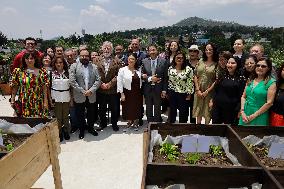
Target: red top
{"points": [[17, 63]]}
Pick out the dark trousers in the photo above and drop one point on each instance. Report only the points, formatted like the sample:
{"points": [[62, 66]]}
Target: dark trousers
{"points": [[111, 101], [96, 107], [224, 114], [153, 106], [118, 105], [73, 118], [192, 119], [177, 102], [80, 112]]}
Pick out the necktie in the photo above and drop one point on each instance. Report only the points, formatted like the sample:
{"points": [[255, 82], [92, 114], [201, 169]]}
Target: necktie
{"points": [[153, 67]]}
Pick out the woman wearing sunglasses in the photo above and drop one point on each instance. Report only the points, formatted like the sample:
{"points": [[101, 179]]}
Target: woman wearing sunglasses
{"points": [[258, 95]]}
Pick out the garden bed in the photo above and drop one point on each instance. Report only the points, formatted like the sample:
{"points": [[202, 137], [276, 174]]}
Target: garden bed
{"points": [[22, 167], [11, 141], [211, 174], [192, 158], [275, 166]]}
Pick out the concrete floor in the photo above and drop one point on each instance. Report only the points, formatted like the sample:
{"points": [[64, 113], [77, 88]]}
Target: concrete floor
{"points": [[112, 160]]}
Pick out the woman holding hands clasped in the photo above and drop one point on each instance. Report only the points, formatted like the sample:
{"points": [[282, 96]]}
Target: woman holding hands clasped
{"points": [[258, 95], [204, 79]]}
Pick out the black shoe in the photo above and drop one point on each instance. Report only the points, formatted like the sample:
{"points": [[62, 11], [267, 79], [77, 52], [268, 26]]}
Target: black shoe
{"points": [[93, 132], [102, 127], [140, 122], [74, 129], [66, 135], [81, 134], [115, 128]]}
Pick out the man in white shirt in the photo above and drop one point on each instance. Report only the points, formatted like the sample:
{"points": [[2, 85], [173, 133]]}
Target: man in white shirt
{"points": [[85, 81]]}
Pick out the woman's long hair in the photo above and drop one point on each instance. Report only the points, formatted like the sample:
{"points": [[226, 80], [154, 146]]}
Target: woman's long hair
{"points": [[268, 73], [135, 56], [280, 79], [65, 65], [26, 56], [184, 63], [169, 52]]}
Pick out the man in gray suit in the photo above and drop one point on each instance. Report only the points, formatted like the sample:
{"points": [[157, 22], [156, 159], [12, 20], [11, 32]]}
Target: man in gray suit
{"points": [[85, 81], [154, 70]]}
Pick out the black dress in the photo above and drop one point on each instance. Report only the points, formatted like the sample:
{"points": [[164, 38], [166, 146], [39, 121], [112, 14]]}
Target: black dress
{"points": [[227, 99]]}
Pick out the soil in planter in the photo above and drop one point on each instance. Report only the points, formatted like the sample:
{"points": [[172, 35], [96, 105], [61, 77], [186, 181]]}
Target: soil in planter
{"points": [[261, 151], [15, 140], [205, 159]]}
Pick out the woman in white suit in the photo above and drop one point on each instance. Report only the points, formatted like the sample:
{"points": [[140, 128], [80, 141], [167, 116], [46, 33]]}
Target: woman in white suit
{"points": [[129, 86]]}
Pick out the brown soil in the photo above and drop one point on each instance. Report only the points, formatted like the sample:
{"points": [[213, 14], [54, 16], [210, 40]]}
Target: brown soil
{"points": [[261, 152], [16, 140], [206, 158]]}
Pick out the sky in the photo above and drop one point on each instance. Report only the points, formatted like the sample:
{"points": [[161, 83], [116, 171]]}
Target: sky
{"points": [[24, 18]]}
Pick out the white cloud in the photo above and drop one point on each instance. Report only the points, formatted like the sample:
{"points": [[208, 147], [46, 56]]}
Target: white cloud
{"points": [[9, 11], [94, 10], [58, 9], [164, 7], [96, 19], [171, 8]]}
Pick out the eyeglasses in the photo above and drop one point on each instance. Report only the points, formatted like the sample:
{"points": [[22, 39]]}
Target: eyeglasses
{"points": [[31, 44], [179, 57], [193, 51], [261, 65], [249, 63]]}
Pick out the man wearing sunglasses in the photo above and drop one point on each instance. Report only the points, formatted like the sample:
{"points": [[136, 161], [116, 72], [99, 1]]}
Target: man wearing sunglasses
{"points": [[30, 46]]}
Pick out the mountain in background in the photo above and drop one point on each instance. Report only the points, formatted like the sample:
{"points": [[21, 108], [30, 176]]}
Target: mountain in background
{"points": [[192, 21]]}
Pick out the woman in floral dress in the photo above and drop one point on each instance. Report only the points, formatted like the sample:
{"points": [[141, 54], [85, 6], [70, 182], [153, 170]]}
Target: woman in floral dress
{"points": [[30, 82]]}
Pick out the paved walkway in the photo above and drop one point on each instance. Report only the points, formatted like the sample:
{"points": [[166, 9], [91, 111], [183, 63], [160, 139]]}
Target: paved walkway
{"points": [[112, 160]]}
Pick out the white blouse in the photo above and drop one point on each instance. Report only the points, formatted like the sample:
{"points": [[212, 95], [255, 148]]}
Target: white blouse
{"points": [[60, 88], [124, 78]]}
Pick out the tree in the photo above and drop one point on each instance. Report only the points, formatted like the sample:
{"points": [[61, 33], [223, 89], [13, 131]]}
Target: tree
{"points": [[3, 39]]}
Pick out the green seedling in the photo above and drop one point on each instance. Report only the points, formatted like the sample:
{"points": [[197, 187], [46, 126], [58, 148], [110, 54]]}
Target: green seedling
{"points": [[193, 158], [262, 149], [9, 147], [170, 150], [216, 150]]}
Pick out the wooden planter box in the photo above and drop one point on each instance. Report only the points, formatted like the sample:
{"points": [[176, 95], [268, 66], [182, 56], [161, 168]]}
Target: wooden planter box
{"points": [[22, 167], [5, 89], [200, 176], [261, 132]]}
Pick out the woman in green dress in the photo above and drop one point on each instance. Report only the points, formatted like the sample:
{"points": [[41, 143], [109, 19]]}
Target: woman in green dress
{"points": [[258, 96]]}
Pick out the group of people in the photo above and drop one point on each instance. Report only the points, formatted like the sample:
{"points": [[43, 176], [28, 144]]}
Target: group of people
{"points": [[222, 87]]}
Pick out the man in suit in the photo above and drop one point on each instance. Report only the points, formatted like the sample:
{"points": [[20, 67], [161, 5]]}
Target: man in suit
{"points": [[108, 68], [85, 81], [154, 70]]}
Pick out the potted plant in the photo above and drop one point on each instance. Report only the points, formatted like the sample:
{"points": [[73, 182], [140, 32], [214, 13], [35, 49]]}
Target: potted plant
{"points": [[5, 61]]}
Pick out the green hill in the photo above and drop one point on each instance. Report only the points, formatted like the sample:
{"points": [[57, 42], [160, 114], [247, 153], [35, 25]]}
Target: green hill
{"points": [[192, 21]]}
